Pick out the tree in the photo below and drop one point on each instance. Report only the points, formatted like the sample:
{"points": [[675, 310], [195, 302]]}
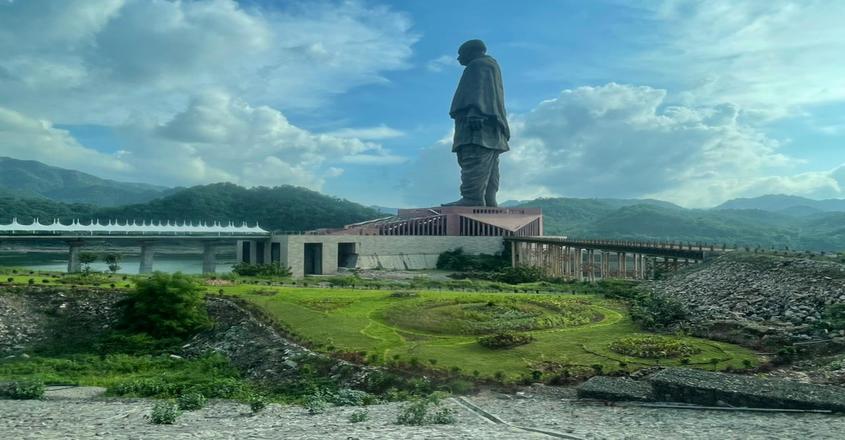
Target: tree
{"points": [[113, 260], [86, 258], [165, 306]]}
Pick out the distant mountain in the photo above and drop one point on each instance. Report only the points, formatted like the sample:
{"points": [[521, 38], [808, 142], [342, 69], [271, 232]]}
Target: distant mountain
{"points": [[285, 208], [385, 209], [654, 220], [33, 179], [793, 205]]}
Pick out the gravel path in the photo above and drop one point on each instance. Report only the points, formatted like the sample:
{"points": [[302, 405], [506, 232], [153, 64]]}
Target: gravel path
{"points": [[63, 416]]}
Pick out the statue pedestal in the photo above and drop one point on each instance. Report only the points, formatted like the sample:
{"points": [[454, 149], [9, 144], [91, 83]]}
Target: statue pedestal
{"points": [[472, 221]]}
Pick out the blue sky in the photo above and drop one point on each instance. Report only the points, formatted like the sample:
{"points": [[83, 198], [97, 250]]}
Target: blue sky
{"points": [[691, 102]]}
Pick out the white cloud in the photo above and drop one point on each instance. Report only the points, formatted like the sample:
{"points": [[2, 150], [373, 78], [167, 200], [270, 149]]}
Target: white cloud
{"points": [[624, 141], [370, 133], [771, 57], [22, 137], [218, 137], [442, 62], [78, 61]]}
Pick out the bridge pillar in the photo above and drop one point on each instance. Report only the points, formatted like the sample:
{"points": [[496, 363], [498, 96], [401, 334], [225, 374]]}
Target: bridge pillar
{"points": [[73, 264], [579, 260], [620, 264], [147, 256], [591, 255], [209, 259]]}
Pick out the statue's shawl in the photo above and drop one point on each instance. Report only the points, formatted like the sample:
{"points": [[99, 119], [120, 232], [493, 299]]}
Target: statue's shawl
{"points": [[481, 87]]}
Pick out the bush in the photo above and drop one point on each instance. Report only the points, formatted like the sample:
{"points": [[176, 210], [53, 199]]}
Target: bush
{"points": [[191, 401], [833, 317], [261, 270], [164, 413], [416, 412], [404, 294], [257, 403], [505, 340], [165, 305], [349, 397], [315, 404], [459, 261], [22, 390], [653, 347], [359, 416], [653, 311]]}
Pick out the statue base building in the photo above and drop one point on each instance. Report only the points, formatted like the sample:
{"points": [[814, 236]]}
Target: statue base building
{"points": [[411, 240], [464, 221]]}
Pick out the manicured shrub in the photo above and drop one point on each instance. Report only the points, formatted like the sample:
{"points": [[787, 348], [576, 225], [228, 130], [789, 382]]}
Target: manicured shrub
{"points": [[22, 390], [263, 270], [505, 340], [653, 347], [164, 413]]}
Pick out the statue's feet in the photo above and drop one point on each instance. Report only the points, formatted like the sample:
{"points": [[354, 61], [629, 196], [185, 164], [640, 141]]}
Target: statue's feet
{"points": [[465, 202], [491, 203]]}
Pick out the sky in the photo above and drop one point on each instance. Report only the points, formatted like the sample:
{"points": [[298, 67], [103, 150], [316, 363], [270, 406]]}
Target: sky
{"points": [[685, 101]]}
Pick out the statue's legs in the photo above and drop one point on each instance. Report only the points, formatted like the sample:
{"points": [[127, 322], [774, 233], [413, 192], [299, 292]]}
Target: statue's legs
{"points": [[492, 183], [477, 164]]}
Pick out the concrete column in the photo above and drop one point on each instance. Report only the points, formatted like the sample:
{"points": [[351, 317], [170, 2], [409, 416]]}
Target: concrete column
{"points": [[239, 251], [253, 255], [579, 274], [147, 255], [514, 252], [591, 258], [73, 264], [209, 259]]}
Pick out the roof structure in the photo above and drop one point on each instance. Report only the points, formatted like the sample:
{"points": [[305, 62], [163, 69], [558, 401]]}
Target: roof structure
{"points": [[115, 227]]}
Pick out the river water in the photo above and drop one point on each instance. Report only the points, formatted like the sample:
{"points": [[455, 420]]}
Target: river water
{"points": [[165, 262]]}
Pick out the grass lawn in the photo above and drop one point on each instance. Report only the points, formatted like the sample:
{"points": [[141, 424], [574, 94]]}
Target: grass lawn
{"points": [[444, 327]]}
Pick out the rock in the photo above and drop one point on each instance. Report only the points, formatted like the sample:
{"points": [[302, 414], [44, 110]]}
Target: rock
{"points": [[709, 388], [615, 389]]}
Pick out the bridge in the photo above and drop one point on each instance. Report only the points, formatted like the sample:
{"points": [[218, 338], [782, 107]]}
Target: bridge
{"points": [[573, 258], [145, 234]]}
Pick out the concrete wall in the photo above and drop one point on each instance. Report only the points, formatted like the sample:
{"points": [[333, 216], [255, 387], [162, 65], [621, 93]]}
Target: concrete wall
{"points": [[386, 252]]}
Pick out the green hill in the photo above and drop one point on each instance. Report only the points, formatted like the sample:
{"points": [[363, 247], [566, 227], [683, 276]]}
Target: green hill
{"points": [[287, 208], [630, 220], [32, 179]]}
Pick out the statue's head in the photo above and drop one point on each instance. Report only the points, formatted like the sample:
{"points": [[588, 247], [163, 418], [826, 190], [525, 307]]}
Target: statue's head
{"points": [[471, 50]]}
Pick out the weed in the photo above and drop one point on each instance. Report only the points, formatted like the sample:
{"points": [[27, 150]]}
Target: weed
{"points": [[191, 401], [164, 412], [359, 416], [257, 403], [22, 390]]}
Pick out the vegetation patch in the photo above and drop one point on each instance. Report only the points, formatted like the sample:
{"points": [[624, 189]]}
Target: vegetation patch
{"points": [[326, 304], [482, 315], [505, 340], [571, 334], [22, 390], [164, 413], [654, 347]]}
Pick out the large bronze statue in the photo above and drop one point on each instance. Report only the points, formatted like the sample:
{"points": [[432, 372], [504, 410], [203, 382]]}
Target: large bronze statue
{"points": [[481, 125]]}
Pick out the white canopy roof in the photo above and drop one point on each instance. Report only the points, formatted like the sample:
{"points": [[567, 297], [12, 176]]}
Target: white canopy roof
{"points": [[147, 228]]}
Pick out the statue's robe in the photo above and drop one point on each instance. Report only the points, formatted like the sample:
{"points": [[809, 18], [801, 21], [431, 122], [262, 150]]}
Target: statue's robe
{"points": [[480, 94]]}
